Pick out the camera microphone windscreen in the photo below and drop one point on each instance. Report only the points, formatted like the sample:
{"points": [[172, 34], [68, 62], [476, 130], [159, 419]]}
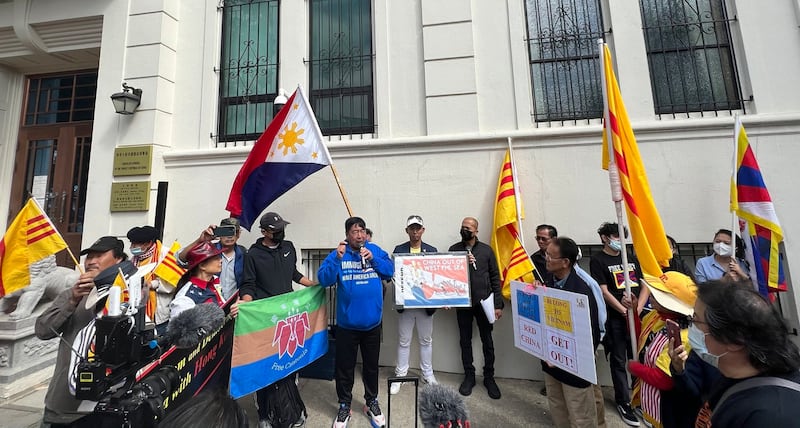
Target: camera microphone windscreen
{"points": [[187, 328], [440, 405]]}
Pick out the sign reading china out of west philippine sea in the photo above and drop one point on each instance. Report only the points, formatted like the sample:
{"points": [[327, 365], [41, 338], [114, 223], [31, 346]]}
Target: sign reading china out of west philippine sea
{"points": [[431, 280], [553, 325]]}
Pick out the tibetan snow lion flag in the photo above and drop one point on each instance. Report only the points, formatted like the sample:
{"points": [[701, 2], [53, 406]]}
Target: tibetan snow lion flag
{"points": [[289, 150], [750, 200], [276, 337]]}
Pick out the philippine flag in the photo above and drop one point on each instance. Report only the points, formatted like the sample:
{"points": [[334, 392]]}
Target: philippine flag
{"points": [[289, 150]]}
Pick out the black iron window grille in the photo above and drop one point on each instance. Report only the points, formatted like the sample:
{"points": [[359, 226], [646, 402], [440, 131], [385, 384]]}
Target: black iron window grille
{"points": [[341, 66], [248, 80], [691, 58], [312, 260], [60, 99], [565, 71]]}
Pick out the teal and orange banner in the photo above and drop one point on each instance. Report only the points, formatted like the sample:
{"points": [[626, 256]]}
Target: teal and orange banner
{"points": [[276, 337]]}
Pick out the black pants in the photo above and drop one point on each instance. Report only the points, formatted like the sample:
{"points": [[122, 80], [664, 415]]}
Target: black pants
{"points": [[348, 343], [280, 403], [619, 344], [464, 317]]}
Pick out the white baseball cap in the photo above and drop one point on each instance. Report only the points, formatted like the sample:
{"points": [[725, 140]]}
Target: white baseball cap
{"points": [[415, 219]]}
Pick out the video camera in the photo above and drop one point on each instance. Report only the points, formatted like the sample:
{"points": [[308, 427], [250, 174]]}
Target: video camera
{"points": [[123, 344]]}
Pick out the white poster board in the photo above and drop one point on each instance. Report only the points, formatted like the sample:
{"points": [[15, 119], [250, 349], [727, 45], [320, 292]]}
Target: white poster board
{"points": [[431, 280], [554, 325]]}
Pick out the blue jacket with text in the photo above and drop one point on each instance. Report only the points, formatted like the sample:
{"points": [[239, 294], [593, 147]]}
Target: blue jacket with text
{"points": [[359, 293]]}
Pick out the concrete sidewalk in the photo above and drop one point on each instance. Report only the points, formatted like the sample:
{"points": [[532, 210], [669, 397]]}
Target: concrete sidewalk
{"points": [[520, 406]]}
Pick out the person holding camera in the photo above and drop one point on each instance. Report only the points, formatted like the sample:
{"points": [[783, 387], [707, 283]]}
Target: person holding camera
{"points": [[226, 236], [270, 267], [201, 283], [67, 316]]}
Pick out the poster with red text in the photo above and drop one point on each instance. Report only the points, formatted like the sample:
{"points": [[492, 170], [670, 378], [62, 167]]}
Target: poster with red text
{"points": [[553, 325]]}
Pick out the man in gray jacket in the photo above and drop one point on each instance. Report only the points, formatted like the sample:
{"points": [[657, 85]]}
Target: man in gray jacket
{"points": [[67, 316]]}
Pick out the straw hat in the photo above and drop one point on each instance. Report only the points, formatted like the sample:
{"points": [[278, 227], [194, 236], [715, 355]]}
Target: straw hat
{"points": [[675, 292]]}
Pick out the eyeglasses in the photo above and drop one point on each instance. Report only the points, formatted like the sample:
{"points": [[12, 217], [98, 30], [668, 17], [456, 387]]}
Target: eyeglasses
{"points": [[549, 257], [693, 320], [542, 238]]}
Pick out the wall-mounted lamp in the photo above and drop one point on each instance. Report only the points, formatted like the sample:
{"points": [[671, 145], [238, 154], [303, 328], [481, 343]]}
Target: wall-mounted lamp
{"points": [[279, 102], [128, 100]]}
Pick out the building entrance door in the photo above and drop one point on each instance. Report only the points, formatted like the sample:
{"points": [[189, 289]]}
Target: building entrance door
{"points": [[52, 166]]}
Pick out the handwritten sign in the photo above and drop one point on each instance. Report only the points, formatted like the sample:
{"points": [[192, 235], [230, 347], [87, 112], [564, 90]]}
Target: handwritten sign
{"points": [[429, 280], [554, 325]]}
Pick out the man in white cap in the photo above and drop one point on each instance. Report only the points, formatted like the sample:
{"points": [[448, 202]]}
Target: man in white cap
{"points": [[407, 318]]}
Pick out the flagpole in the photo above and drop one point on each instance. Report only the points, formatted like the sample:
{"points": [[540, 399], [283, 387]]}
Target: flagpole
{"points": [[327, 153], [518, 196], [69, 251], [616, 196], [737, 126], [341, 190], [518, 202]]}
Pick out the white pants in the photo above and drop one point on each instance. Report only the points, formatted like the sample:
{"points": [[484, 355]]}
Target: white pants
{"points": [[405, 324]]}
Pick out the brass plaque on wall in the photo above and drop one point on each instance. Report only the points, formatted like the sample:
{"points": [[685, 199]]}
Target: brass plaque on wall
{"points": [[130, 196], [133, 160]]}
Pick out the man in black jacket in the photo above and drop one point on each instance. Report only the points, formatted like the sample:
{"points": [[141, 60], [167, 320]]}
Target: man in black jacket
{"points": [[570, 398], [270, 266], [484, 279]]}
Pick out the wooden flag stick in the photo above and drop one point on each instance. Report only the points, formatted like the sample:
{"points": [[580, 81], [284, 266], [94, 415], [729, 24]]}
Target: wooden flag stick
{"points": [[341, 190]]}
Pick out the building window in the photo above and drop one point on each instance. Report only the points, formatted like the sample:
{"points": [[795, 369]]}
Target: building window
{"points": [[692, 65], [60, 99], [565, 71], [248, 69], [341, 58], [312, 260]]}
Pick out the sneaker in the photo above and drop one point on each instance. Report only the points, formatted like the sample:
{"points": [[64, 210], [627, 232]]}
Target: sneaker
{"points": [[301, 421], [491, 387], [640, 414], [373, 412], [395, 388], [466, 386], [430, 380], [627, 415], [342, 417]]}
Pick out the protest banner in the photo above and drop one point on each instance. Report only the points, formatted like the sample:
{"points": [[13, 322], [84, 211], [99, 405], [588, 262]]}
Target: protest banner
{"points": [[554, 325], [428, 280], [276, 337]]}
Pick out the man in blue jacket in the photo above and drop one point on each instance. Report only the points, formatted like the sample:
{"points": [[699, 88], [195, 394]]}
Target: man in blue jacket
{"points": [[357, 267]]}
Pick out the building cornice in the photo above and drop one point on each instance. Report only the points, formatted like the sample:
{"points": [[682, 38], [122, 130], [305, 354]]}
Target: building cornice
{"points": [[585, 135]]}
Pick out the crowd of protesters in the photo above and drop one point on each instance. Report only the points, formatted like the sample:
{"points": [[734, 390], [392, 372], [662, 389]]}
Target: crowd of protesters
{"points": [[728, 360]]}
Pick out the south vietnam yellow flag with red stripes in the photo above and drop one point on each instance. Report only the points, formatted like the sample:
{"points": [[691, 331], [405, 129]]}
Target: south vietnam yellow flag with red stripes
{"points": [[168, 269], [647, 232], [514, 263], [30, 238]]}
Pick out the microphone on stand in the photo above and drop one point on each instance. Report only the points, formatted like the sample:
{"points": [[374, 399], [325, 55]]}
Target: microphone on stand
{"points": [[469, 251]]}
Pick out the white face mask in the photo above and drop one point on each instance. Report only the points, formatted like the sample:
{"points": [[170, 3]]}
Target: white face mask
{"points": [[614, 244], [697, 339], [722, 249]]}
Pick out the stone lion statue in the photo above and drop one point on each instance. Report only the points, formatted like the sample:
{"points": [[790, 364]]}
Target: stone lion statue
{"points": [[48, 280]]}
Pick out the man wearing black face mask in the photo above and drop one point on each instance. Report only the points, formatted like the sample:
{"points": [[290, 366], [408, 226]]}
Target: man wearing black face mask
{"points": [[484, 279], [270, 266]]}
